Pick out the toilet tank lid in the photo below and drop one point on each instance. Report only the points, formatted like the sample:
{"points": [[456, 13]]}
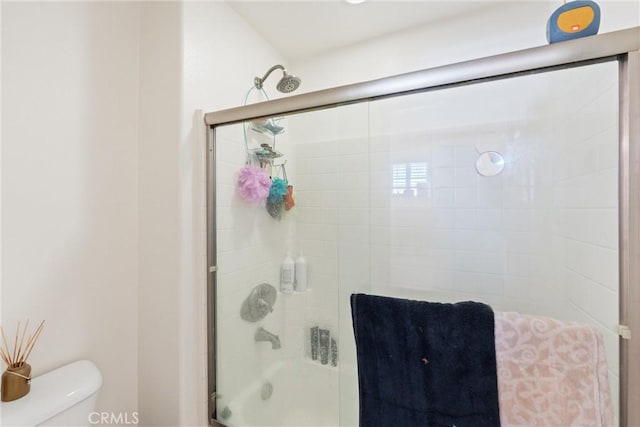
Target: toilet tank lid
{"points": [[52, 393]]}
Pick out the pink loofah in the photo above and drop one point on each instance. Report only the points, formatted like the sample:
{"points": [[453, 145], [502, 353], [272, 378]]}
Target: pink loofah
{"points": [[253, 184]]}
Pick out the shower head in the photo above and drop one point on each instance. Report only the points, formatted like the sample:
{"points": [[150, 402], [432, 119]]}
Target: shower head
{"points": [[288, 83]]}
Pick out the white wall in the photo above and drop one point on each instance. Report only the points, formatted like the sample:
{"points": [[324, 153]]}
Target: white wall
{"points": [[221, 56], [511, 26], [158, 220], [109, 163], [69, 185]]}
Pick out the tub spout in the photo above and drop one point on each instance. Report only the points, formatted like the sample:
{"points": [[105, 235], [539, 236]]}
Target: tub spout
{"points": [[263, 335]]}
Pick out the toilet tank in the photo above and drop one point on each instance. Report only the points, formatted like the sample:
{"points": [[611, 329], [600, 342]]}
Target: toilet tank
{"points": [[63, 397]]}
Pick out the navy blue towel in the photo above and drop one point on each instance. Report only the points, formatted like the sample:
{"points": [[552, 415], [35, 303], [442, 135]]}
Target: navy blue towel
{"points": [[423, 364]]}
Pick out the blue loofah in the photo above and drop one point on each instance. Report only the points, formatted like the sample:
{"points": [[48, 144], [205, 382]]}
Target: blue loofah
{"points": [[278, 190]]}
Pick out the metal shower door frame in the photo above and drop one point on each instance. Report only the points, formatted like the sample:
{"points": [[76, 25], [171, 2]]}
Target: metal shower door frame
{"points": [[629, 236], [621, 46]]}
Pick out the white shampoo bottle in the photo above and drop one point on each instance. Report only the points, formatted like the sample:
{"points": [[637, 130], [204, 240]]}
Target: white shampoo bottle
{"points": [[287, 275], [301, 273]]}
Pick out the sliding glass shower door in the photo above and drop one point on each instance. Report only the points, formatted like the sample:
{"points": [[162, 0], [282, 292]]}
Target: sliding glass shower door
{"points": [[503, 192]]}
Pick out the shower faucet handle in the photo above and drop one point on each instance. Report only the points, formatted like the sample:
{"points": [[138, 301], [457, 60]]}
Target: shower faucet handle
{"points": [[264, 304], [259, 303]]}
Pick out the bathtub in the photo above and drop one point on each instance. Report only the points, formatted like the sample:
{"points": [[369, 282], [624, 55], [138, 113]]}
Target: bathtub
{"points": [[305, 393]]}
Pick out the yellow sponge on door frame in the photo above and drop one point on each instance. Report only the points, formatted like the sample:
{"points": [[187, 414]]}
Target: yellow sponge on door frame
{"points": [[572, 20]]}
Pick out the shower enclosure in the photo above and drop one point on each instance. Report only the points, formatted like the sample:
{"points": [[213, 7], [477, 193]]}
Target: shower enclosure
{"points": [[511, 180]]}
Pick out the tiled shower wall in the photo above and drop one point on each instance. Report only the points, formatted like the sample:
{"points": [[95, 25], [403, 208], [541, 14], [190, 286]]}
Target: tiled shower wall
{"points": [[539, 238], [332, 182], [250, 249], [585, 207]]}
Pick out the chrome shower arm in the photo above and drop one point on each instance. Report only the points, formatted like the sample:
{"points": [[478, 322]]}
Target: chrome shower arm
{"points": [[257, 81]]}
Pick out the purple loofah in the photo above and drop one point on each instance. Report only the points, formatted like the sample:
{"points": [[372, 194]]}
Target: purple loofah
{"points": [[253, 184]]}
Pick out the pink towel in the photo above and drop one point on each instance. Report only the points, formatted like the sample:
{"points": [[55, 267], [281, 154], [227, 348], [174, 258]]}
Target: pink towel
{"points": [[550, 373]]}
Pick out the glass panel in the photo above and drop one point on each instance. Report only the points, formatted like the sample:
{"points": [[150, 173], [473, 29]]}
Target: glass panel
{"points": [[292, 379], [503, 192], [332, 154], [537, 233]]}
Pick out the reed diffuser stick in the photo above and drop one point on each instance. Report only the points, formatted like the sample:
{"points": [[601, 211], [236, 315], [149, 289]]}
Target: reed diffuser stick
{"points": [[17, 355], [6, 346], [33, 342], [15, 344], [24, 334], [37, 332], [31, 339], [5, 358]]}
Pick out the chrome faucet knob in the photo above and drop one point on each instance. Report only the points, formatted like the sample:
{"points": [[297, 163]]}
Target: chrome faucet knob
{"points": [[262, 303]]}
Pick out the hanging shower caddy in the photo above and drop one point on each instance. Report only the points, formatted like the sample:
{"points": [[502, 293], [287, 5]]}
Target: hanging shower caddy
{"points": [[266, 131], [261, 152]]}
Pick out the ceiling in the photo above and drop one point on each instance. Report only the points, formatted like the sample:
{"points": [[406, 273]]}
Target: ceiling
{"points": [[299, 29]]}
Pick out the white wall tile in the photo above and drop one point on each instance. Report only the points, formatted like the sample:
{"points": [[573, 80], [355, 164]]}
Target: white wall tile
{"points": [[442, 177], [442, 156], [465, 219], [597, 263], [489, 219], [443, 197], [443, 218], [516, 197], [466, 197], [465, 157], [519, 265], [465, 239], [490, 241], [466, 177], [490, 193], [599, 302]]}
